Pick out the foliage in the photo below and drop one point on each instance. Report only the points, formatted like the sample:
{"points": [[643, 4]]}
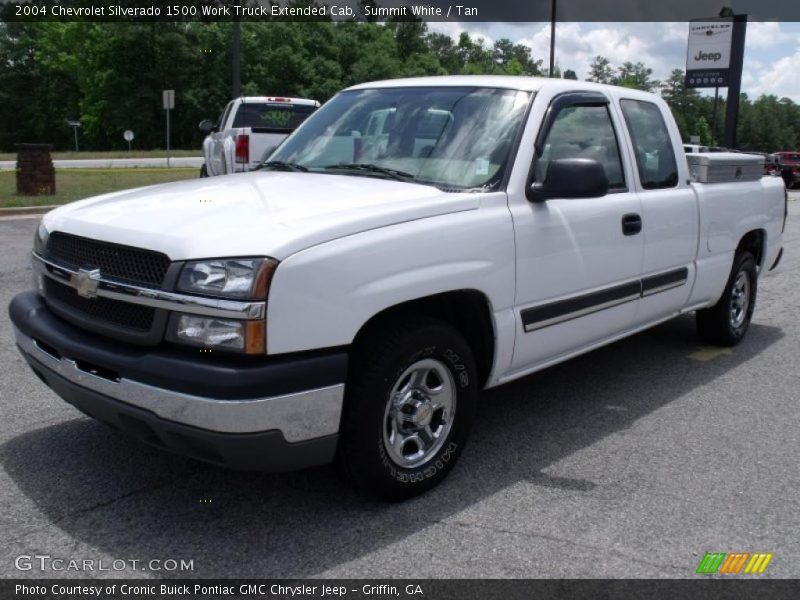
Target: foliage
{"points": [[110, 76], [703, 131], [600, 71]]}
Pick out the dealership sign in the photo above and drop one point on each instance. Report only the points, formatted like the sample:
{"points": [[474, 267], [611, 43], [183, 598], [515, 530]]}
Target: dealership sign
{"points": [[709, 53]]}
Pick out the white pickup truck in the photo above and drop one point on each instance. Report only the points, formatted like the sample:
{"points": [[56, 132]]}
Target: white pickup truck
{"points": [[248, 130], [412, 243]]}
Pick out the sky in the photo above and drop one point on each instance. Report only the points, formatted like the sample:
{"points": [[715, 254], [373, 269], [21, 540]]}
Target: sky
{"points": [[771, 59]]}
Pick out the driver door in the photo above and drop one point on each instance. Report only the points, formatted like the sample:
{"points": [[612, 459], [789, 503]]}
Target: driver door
{"points": [[578, 259]]}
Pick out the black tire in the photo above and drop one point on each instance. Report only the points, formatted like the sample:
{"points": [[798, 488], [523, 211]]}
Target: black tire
{"points": [[203, 171], [369, 421], [718, 325]]}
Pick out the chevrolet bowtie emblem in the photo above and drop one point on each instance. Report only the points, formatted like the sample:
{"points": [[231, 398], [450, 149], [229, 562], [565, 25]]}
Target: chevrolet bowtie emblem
{"points": [[85, 282]]}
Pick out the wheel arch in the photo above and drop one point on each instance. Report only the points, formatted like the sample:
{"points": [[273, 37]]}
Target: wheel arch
{"points": [[754, 241], [467, 310]]}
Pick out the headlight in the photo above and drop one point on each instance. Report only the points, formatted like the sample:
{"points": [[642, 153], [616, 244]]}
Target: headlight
{"points": [[211, 332], [40, 239], [224, 334], [233, 279], [240, 278]]}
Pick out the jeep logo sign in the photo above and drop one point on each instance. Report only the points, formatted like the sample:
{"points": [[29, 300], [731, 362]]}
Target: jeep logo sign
{"points": [[708, 53], [708, 56]]}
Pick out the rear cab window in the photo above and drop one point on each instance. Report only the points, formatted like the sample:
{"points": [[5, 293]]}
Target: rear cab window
{"points": [[272, 117], [652, 144]]}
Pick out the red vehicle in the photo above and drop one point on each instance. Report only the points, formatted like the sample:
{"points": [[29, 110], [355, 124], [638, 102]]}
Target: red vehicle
{"points": [[788, 163]]}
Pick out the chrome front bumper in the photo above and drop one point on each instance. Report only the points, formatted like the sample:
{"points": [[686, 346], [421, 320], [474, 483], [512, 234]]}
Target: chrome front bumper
{"points": [[299, 416]]}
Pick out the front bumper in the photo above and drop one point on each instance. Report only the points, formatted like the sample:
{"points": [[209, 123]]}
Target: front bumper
{"points": [[257, 414]]}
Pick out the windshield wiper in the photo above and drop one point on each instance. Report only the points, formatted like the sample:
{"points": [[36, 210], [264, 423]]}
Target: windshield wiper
{"points": [[280, 165], [370, 168]]}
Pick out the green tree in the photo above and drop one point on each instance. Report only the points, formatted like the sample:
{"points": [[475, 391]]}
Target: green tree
{"points": [[635, 76], [409, 36], [110, 76], [600, 71], [515, 59], [682, 101], [36, 96], [447, 53], [703, 131]]}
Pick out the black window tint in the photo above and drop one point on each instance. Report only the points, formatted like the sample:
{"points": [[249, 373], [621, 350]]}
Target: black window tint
{"points": [[583, 132], [279, 118], [652, 144]]}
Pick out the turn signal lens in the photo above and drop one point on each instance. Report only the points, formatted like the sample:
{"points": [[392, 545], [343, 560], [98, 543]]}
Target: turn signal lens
{"points": [[255, 337]]}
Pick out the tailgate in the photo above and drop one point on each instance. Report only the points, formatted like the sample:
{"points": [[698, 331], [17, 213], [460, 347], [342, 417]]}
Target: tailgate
{"points": [[262, 144]]}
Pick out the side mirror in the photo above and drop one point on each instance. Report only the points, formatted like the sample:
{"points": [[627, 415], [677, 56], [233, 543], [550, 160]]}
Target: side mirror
{"points": [[571, 178], [206, 126]]}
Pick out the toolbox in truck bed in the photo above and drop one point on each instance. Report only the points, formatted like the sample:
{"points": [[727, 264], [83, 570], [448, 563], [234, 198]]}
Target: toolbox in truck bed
{"points": [[723, 167]]}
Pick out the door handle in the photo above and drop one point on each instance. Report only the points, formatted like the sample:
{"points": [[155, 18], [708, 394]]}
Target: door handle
{"points": [[631, 224]]}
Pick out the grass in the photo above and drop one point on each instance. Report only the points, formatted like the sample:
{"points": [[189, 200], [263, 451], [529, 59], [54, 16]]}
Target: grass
{"points": [[75, 184], [111, 154]]}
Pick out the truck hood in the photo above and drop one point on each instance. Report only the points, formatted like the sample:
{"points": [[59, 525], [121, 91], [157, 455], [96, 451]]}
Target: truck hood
{"points": [[254, 214]]}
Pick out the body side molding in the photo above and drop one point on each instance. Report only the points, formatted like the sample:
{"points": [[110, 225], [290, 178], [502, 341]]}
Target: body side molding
{"points": [[553, 313]]}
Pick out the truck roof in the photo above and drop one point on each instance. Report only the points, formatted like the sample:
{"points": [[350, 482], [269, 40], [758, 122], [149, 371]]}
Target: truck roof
{"points": [[286, 99], [513, 82]]}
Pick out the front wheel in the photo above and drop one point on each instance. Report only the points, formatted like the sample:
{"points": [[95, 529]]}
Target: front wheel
{"points": [[410, 405], [726, 323]]}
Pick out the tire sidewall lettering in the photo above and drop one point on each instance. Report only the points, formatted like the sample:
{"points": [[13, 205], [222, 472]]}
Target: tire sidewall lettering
{"points": [[410, 476]]}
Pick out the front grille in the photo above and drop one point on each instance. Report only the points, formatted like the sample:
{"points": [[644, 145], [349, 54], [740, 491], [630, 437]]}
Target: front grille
{"points": [[123, 263], [121, 314]]}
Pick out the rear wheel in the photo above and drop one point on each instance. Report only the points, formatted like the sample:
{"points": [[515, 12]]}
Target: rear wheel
{"points": [[726, 323], [411, 402], [203, 171]]}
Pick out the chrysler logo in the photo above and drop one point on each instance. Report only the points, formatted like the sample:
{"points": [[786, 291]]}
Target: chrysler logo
{"points": [[85, 282]]}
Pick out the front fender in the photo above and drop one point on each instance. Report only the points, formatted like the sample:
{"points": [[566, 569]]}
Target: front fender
{"points": [[322, 296]]}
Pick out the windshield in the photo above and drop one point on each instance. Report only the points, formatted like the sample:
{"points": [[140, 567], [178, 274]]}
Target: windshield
{"points": [[452, 137]]}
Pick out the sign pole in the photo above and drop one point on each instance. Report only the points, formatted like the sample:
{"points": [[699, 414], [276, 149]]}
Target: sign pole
{"points": [[735, 85], [128, 136], [714, 117], [168, 101], [236, 58], [74, 125], [552, 38], [168, 138]]}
